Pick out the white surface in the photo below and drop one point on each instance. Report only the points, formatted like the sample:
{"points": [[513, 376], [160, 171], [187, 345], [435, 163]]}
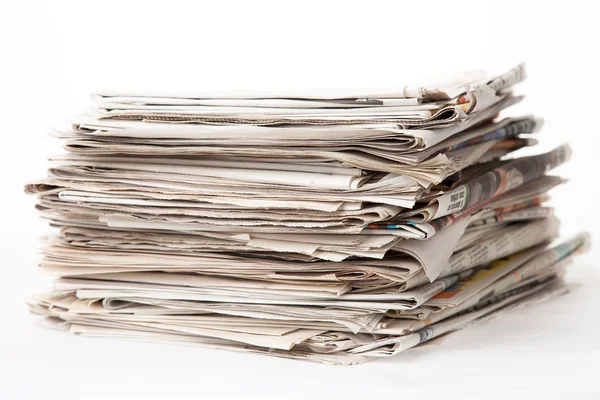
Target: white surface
{"points": [[53, 54]]}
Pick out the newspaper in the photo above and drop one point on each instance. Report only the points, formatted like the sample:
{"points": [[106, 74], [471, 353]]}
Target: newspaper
{"points": [[329, 226], [508, 293], [84, 251], [173, 209], [299, 328], [477, 193], [436, 106]]}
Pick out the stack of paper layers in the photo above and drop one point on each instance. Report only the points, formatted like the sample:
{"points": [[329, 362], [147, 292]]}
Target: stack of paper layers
{"points": [[334, 227]]}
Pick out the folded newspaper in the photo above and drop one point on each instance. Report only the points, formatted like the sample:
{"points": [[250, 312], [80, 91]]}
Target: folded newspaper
{"points": [[333, 226]]}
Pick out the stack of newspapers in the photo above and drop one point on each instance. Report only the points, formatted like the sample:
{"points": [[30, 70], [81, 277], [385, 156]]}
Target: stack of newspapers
{"points": [[333, 227]]}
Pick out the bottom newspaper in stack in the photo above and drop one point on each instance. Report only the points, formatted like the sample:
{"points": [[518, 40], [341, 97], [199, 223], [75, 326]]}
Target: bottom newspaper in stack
{"points": [[332, 312]]}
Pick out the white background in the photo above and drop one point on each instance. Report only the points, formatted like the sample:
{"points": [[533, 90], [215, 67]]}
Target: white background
{"points": [[53, 54]]}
